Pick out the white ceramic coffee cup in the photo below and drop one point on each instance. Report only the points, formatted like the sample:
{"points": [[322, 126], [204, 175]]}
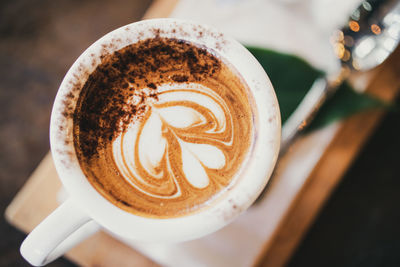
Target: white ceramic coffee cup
{"points": [[70, 222]]}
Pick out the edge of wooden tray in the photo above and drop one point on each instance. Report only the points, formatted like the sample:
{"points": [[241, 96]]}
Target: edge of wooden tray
{"points": [[384, 83]]}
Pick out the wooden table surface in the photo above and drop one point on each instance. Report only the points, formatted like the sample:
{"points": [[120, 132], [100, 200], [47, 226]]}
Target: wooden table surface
{"points": [[343, 146], [39, 41]]}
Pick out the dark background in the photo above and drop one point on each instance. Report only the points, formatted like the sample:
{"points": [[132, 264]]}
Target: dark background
{"points": [[360, 223], [39, 40]]}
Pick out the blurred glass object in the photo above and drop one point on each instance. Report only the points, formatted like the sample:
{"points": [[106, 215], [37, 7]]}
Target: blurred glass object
{"points": [[376, 27], [369, 37]]}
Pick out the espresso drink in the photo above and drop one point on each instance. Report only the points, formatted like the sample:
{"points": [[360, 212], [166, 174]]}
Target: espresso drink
{"points": [[162, 127]]}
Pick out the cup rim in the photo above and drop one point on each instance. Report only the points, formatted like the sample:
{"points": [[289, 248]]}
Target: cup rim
{"points": [[241, 195]]}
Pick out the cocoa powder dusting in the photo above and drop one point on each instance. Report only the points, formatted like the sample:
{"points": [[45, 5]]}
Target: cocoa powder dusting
{"points": [[125, 82]]}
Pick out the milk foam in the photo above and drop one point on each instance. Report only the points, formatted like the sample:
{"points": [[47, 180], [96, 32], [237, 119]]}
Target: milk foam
{"points": [[122, 209], [141, 152]]}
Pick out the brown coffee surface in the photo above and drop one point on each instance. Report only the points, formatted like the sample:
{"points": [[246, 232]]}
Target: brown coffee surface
{"points": [[125, 103]]}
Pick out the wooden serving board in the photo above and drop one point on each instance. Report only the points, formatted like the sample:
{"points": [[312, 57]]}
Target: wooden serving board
{"points": [[269, 231]]}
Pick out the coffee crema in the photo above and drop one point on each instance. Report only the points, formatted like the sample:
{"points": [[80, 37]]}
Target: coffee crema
{"points": [[162, 127]]}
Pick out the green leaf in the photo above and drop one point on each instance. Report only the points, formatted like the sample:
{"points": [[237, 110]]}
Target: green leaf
{"points": [[344, 103], [292, 77]]}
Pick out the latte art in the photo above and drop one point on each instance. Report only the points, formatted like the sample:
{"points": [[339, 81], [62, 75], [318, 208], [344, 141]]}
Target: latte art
{"points": [[188, 119], [162, 128]]}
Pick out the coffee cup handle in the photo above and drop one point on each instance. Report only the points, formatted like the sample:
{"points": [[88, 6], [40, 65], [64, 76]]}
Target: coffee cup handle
{"points": [[60, 231]]}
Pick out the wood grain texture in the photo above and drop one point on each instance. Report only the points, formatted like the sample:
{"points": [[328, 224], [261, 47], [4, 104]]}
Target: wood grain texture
{"points": [[25, 217], [384, 82], [304, 179], [160, 9], [38, 198]]}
